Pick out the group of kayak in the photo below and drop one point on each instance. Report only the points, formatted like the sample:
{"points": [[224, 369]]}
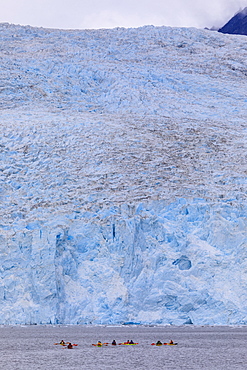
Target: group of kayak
{"points": [[131, 343], [159, 343], [69, 345], [114, 343]]}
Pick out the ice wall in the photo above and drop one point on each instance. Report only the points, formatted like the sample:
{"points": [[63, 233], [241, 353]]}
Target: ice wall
{"points": [[122, 176], [152, 263]]}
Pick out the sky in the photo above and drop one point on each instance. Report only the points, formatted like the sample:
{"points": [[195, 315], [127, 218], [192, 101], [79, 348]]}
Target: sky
{"points": [[81, 14]]}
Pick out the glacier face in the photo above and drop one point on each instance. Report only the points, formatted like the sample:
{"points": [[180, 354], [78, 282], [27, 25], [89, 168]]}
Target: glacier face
{"points": [[153, 263], [123, 176]]}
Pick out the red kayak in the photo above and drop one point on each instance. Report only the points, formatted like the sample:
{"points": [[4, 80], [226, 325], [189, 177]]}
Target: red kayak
{"points": [[156, 344]]}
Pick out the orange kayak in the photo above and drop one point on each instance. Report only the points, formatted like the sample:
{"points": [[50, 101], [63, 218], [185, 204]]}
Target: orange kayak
{"points": [[99, 344]]}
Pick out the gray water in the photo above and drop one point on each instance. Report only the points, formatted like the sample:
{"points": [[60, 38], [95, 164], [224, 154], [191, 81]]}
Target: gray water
{"points": [[32, 348]]}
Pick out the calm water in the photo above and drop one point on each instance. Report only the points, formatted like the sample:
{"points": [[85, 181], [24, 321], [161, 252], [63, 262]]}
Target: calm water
{"points": [[32, 347]]}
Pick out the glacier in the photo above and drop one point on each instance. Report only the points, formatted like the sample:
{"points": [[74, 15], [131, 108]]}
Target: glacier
{"points": [[123, 176]]}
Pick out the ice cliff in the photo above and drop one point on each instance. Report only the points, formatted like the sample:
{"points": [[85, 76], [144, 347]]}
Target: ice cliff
{"points": [[122, 176]]}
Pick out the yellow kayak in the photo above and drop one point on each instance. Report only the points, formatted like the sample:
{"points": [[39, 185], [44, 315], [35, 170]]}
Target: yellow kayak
{"points": [[128, 344]]}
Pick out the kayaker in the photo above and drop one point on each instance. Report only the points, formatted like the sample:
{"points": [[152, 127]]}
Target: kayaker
{"points": [[158, 343], [114, 343], [62, 342], [171, 342], [131, 342], [69, 346]]}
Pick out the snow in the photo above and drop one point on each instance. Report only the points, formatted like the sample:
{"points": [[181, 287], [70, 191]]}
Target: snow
{"points": [[123, 176]]}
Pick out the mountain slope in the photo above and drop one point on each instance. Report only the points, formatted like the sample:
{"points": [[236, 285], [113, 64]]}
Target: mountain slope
{"points": [[237, 24], [123, 176]]}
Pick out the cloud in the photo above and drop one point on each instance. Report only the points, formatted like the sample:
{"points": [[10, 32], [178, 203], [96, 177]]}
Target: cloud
{"points": [[122, 13]]}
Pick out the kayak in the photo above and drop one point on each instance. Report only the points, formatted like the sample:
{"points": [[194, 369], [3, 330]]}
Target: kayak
{"points": [[99, 344], [170, 344], [60, 344], [154, 344], [128, 344], [165, 344], [65, 345]]}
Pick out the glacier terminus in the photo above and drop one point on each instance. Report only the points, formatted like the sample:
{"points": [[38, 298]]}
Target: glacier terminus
{"points": [[123, 173]]}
